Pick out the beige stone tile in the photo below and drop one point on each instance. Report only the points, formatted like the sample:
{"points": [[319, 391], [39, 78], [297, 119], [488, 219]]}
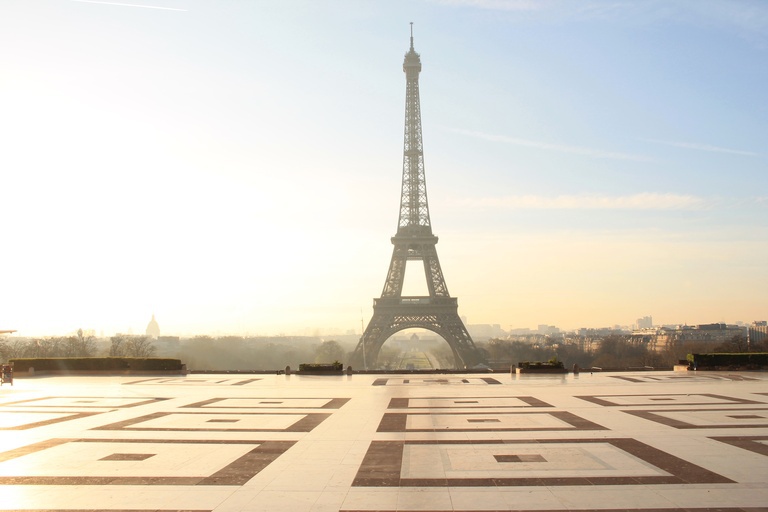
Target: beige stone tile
{"points": [[318, 471]]}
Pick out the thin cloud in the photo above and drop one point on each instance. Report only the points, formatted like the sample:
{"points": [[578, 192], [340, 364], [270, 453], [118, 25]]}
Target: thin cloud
{"points": [[574, 150], [129, 5], [498, 5], [643, 201], [704, 147], [747, 17]]}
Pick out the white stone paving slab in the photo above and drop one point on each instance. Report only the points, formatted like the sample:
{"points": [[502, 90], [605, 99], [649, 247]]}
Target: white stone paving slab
{"points": [[515, 443]]}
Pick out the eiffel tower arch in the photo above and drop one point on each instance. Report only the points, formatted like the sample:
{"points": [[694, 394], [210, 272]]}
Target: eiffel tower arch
{"points": [[414, 240]]}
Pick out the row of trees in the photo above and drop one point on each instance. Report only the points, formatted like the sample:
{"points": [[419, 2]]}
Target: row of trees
{"points": [[79, 345], [614, 351], [237, 353], [201, 352]]}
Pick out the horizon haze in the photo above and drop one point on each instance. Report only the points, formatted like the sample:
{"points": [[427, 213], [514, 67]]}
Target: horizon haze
{"points": [[235, 167]]}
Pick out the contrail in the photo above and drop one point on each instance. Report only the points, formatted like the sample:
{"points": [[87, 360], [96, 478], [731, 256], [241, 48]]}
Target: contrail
{"points": [[576, 150], [703, 147], [130, 5]]}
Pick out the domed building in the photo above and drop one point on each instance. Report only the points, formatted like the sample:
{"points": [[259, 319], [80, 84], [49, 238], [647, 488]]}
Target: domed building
{"points": [[153, 329]]}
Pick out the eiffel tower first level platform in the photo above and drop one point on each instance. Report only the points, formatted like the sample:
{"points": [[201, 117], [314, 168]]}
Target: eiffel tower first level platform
{"points": [[394, 312]]}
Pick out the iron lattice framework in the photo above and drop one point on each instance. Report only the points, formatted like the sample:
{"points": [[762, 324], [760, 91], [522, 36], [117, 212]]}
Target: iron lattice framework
{"points": [[393, 312]]}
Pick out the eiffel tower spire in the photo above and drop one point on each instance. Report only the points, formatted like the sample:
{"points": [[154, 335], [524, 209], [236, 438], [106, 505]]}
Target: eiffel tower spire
{"points": [[414, 240], [414, 208]]}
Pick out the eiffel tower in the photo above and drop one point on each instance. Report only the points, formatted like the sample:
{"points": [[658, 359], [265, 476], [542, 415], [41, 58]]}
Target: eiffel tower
{"points": [[393, 312]]}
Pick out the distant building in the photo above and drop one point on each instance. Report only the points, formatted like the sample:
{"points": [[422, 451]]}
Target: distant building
{"points": [[645, 323], [601, 332], [758, 331], [661, 338], [153, 329], [547, 329], [484, 332]]}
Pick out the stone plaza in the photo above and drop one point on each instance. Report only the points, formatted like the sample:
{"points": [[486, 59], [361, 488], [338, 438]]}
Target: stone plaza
{"points": [[643, 441]]}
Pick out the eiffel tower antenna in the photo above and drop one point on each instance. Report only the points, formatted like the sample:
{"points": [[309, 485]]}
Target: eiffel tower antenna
{"points": [[438, 311]]}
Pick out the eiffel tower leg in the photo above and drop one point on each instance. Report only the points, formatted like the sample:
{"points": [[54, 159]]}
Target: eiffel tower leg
{"points": [[436, 315], [453, 331], [369, 346]]}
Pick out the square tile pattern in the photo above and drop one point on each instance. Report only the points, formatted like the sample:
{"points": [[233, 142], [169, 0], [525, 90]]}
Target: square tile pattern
{"points": [[658, 441], [525, 463], [138, 462], [750, 417], [666, 399], [469, 402], [221, 421], [484, 421], [433, 381]]}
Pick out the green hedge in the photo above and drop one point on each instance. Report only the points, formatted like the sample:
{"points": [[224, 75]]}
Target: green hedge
{"points": [[315, 367], [75, 364], [539, 365], [736, 359]]}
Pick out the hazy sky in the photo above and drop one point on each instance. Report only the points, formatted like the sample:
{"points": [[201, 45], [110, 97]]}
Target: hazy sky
{"points": [[234, 166]]}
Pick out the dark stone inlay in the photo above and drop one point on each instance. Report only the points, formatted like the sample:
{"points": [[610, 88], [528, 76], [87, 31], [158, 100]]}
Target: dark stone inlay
{"points": [[520, 458], [129, 456], [484, 420], [750, 443], [393, 422], [31, 448], [385, 381], [135, 404], [244, 382], [396, 422], [534, 402], [305, 424], [464, 402], [382, 464], [236, 473], [399, 403], [605, 401], [629, 379], [187, 380], [657, 416], [70, 416], [336, 403], [222, 421]]}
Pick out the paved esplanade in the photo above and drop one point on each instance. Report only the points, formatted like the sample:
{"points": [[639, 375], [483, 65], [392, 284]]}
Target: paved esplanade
{"points": [[630, 441]]}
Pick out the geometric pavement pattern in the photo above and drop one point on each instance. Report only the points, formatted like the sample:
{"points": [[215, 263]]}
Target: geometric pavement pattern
{"points": [[656, 441]]}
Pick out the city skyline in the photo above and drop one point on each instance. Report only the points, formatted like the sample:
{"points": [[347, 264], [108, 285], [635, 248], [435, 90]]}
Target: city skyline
{"points": [[235, 167]]}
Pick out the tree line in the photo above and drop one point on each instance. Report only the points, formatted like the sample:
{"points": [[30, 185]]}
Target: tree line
{"points": [[613, 351], [78, 345], [265, 354]]}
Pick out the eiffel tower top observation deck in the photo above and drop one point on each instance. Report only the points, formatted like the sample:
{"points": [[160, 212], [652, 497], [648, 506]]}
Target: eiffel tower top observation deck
{"points": [[437, 311]]}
